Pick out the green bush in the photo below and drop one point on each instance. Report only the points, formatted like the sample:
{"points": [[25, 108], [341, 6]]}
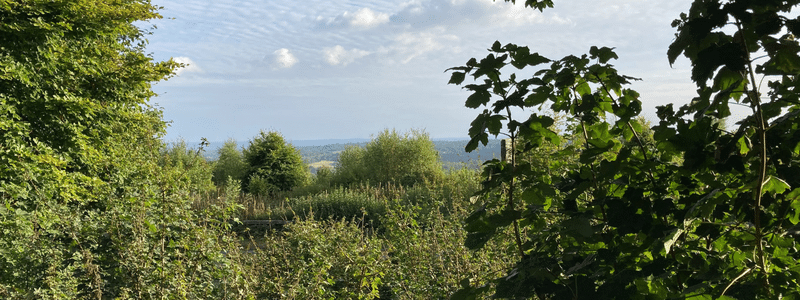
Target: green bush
{"points": [[229, 164], [341, 203], [196, 171], [273, 165], [390, 158], [319, 260]]}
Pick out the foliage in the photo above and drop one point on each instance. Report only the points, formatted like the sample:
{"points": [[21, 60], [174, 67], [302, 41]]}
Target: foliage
{"points": [[416, 255], [229, 164], [340, 203], [327, 260], [272, 165], [86, 209], [700, 213], [427, 249], [196, 170], [390, 158]]}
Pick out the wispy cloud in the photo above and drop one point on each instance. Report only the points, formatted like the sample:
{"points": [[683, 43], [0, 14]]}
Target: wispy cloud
{"points": [[284, 58], [189, 65], [234, 49], [338, 55], [363, 18], [410, 45]]}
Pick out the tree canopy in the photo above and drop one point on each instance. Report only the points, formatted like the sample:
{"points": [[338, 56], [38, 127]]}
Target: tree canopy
{"points": [[696, 212], [391, 158], [273, 165], [87, 208]]}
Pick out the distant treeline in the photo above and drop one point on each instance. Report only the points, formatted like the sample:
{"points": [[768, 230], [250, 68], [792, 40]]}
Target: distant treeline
{"points": [[451, 153]]}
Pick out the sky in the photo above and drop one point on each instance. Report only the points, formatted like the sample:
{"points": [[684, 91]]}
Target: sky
{"points": [[341, 69]]}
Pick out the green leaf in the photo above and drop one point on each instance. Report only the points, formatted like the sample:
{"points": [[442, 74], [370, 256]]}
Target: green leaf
{"points": [[671, 238], [476, 240], [794, 197], [150, 226], [478, 98], [603, 54], [539, 96], [775, 185], [580, 226], [494, 124], [497, 47], [457, 78]]}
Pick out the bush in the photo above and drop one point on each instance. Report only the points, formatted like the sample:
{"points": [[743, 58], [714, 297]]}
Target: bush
{"points": [[391, 158], [229, 164], [320, 260], [341, 203], [273, 165], [195, 171]]}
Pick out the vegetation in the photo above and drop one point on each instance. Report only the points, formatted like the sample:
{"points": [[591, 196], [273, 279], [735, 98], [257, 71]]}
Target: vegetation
{"points": [[91, 206], [696, 212], [390, 158], [94, 205], [451, 153], [272, 165], [229, 164]]}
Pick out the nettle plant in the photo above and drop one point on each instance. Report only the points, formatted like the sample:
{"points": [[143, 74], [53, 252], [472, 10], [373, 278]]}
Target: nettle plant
{"points": [[694, 212]]}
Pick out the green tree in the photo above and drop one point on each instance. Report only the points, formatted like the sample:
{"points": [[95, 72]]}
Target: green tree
{"points": [[230, 163], [196, 170], [86, 209], [701, 213], [273, 165], [391, 157]]}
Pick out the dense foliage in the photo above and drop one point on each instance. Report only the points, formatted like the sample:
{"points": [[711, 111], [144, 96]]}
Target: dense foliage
{"points": [[272, 165], [90, 207], [229, 164], [696, 212], [390, 158]]}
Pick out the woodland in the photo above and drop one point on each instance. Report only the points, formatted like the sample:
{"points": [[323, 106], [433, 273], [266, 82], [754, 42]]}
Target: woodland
{"points": [[592, 202]]}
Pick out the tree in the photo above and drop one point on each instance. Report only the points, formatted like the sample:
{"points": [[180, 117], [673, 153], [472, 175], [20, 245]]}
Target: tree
{"points": [[230, 163], [196, 170], [273, 165], [393, 158], [698, 212], [87, 210]]}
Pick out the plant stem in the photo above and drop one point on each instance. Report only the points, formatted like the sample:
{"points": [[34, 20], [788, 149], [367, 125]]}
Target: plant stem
{"points": [[762, 172]]}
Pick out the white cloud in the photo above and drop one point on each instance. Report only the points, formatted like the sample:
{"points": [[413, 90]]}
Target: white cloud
{"points": [[367, 18], [520, 15], [363, 18], [338, 55], [428, 13], [411, 45], [284, 58], [189, 65]]}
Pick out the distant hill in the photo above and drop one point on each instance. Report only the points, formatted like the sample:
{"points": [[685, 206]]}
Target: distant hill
{"points": [[451, 151]]}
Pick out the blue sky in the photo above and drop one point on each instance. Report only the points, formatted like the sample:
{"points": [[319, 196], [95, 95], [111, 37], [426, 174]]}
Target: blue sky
{"points": [[340, 69]]}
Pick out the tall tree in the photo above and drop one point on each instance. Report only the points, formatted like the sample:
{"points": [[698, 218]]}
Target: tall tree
{"points": [[85, 208], [702, 213]]}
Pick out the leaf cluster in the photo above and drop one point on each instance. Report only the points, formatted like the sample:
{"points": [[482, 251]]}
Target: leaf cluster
{"points": [[692, 211]]}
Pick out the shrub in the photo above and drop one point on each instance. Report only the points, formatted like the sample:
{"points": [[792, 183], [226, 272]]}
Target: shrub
{"points": [[341, 203], [391, 158], [275, 165], [229, 164]]}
